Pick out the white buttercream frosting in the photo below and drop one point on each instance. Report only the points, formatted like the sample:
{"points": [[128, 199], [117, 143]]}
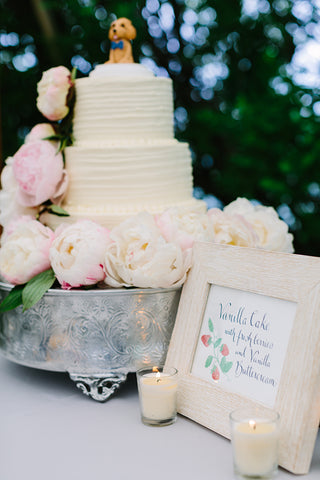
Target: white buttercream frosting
{"points": [[142, 176], [125, 159], [112, 108], [122, 70]]}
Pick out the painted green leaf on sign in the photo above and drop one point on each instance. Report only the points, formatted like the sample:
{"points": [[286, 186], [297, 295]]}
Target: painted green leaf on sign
{"points": [[210, 324], [225, 365], [209, 361], [217, 342]]}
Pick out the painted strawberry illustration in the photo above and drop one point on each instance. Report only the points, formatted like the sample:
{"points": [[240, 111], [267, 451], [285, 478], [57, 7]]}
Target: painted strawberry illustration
{"points": [[224, 350], [206, 340], [216, 358], [215, 374]]}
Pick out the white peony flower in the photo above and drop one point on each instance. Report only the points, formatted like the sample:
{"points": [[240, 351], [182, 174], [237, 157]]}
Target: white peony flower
{"points": [[10, 208], [232, 229], [77, 253], [272, 231], [184, 228], [240, 206], [140, 256], [53, 90], [25, 250]]}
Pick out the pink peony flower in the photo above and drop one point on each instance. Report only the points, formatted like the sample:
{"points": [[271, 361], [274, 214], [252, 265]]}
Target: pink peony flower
{"points": [[53, 90], [61, 189], [25, 250], [15, 223], [10, 208], [40, 132], [38, 170], [77, 253]]}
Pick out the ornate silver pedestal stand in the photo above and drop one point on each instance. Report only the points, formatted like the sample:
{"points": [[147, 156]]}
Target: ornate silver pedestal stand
{"points": [[97, 336]]}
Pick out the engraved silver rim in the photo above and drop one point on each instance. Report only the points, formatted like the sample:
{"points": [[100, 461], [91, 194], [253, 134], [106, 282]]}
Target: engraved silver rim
{"points": [[102, 290]]}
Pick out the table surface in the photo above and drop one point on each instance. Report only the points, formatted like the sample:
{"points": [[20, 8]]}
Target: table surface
{"points": [[50, 430]]}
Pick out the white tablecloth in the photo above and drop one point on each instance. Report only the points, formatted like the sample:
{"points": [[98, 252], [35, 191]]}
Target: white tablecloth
{"points": [[49, 430]]}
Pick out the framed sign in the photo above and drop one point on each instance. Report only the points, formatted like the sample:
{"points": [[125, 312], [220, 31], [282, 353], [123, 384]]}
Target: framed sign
{"points": [[248, 332]]}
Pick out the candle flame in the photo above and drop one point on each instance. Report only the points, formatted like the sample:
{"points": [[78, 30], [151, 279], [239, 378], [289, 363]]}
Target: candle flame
{"points": [[156, 370], [252, 424]]}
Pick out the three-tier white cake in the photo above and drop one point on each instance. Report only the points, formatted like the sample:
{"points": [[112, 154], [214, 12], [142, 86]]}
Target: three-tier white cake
{"points": [[125, 158]]}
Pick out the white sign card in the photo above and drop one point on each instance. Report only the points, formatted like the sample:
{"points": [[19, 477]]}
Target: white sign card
{"points": [[243, 342]]}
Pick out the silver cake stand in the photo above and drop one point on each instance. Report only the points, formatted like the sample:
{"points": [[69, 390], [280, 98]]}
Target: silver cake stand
{"points": [[97, 336]]}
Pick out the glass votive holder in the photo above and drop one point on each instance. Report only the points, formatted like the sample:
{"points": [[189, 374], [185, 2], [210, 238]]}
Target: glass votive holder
{"points": [[254, 438], [157, 387]]}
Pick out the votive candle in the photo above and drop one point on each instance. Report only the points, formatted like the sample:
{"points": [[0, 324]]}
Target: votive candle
{"points": [[254, 436], [157, 388]]}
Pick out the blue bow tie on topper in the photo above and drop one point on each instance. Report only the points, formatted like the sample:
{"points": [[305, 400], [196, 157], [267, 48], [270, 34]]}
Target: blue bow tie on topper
{"points": [[115, 45]]}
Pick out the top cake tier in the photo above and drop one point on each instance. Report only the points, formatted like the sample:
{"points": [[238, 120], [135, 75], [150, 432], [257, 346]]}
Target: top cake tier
{"points": [[121, 103]]}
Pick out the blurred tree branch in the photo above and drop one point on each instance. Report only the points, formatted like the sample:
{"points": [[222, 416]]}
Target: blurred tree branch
{"points": [[47, 27]]}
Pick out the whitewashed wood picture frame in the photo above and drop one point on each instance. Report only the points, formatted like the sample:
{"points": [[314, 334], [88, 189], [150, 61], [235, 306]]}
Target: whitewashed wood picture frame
{"points": [[279, 295]]}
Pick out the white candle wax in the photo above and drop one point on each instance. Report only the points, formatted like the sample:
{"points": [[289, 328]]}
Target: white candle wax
{"points": [[255, 447], [158, 392]]}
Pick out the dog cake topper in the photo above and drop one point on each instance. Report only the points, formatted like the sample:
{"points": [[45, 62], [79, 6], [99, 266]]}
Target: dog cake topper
{"points": [[121, 33]]}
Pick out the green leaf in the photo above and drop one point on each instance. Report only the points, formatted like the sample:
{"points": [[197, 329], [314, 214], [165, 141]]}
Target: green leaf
{"points": [[217, 342], [56, 210], [225, 365], [52, 137], [12, 300], [210, 324], [36, 288], [209, 361], [63, 144], [74, 74]]}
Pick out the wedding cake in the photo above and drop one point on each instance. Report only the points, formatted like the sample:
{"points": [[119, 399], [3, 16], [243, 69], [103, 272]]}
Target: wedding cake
{"points": [[124, 158]]}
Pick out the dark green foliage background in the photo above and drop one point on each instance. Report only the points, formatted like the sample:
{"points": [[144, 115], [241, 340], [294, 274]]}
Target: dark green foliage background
{"points": [[247, 140]]}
